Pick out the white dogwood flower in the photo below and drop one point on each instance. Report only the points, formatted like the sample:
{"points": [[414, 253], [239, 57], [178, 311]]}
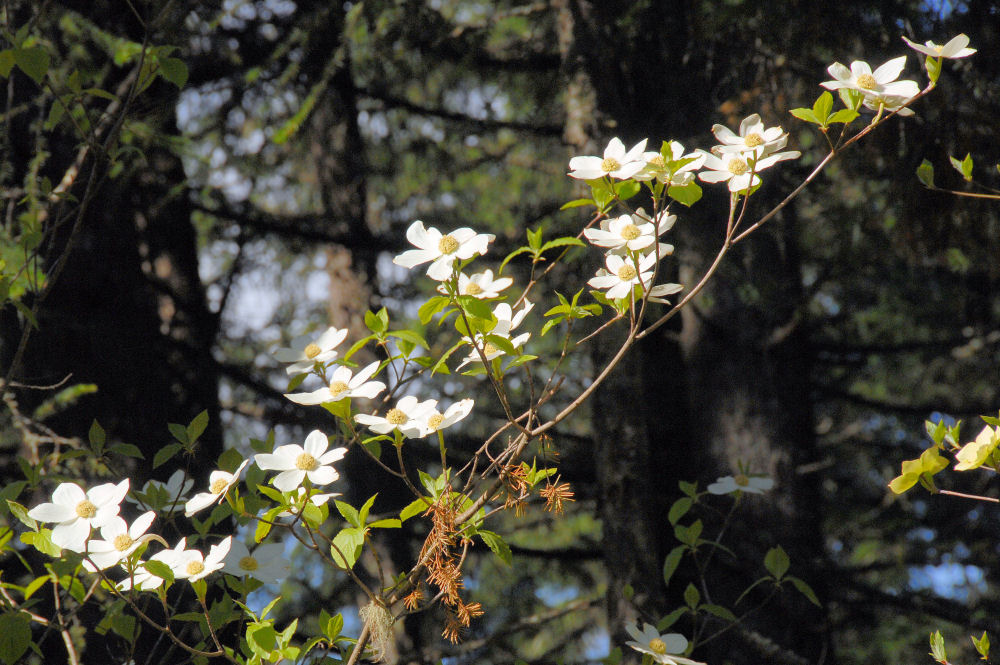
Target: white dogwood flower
{"points": [[305, 352], [267, 563], [735, 169], [442, 250], [753, 138], [663, 648], [343, 384], [119, 541], [631, 232], [219, 483], [165, 497], [296, 463], [741, 483], [975, 453], [480, 285], [315, 498], [192, 565], [621, 275], [406, 416], [434, 420], [616, 162], [667, 170], [144, 580], [76, 511], [879, 87], [507, 320], [955, 48]]}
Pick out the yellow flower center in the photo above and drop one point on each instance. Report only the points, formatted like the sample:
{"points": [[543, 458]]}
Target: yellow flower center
{"points": [[489, 349], [86, 509], [249, 563], [657, 161], [195, 567], [867, 81], [337, 387], [435, 421], [626, 273], [123, 541], [219, 486], [447, 245], [473, 289], [306, 462], [396, 417], [312, 350], [753, 140], [657, 645], [742, 480], [630, 232], [737, 166], [610, 164]]}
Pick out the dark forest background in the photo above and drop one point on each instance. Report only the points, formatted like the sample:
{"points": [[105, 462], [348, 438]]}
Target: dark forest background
{"points": [[268, 194]]}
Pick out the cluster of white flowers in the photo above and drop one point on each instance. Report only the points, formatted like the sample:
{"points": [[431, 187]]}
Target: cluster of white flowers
{"points": [[663, 648], [415, 419]]}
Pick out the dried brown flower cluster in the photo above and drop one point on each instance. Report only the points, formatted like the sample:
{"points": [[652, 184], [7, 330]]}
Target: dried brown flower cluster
{"points": [[515, 488], [555, 494], [444, 564]]}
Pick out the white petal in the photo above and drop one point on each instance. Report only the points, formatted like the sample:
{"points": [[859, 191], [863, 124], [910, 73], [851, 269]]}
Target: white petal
{"points": [[331, 337], [323, 475], [141, 524], [417, 234], [68, 494], [615, 149], [890, 71], [363, 374], [53, 512], [286, 481], [71, 535], [331, 456], [310, 399], [316, 443], [199, 502], [726, 135], [414, 257]]}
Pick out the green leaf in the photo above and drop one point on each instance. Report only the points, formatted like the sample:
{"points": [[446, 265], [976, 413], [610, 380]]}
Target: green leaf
{"points": [[719, 611], [197, 427], [687, 195], [410, 336], [669, 620], [159, 569], [34, 586], [164, 454], [691, 596], [431, 307], [128, 450], [21, 513], [497, 544], [776, 562], [97, 437], [691, 489], [679, 509], [415, 508], [333, 626], [6, 62], [388, 523], [375, 322], [937, 647], [806, 115], [519, 250], [565, 241], [15, 636], [42, 541], [627, 189], [363, 512], [174, 70], [933, 68], [178, 431], [33, 61], [845, 116], [671, 562], [822, 107], [925, 174], [804, 589], [346, 547], [576, 203], [982, 645], [348, 512]]}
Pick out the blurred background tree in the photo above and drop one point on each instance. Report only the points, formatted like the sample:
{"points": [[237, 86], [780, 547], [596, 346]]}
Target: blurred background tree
{"points": [[267, 196]]}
